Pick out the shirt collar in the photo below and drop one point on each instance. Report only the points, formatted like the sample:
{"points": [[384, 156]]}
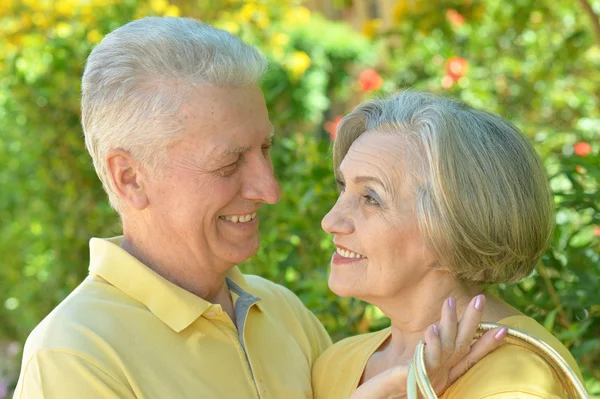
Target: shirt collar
{"points": [[172, 304]]}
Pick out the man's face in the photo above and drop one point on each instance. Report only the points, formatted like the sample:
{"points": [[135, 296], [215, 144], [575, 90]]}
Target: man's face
{"points": [[216, 178]]}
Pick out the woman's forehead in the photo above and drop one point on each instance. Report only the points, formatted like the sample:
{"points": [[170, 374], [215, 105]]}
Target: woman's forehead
{"points": [[381, 149]]}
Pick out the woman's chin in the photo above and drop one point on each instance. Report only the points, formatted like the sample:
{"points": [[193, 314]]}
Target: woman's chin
{"points": [[342, 287]]}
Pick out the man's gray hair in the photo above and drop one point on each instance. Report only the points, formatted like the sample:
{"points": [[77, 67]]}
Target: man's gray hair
{"points": [[139, 76]]}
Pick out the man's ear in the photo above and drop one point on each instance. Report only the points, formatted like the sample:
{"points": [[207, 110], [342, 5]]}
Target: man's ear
{"points": [[125, 175]]}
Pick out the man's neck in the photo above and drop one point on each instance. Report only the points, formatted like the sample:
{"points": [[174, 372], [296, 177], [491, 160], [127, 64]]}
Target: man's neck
{"points": [[182, 267]]}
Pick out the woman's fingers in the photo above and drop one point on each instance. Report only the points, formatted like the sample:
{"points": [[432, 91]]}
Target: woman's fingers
{"points": [[467, 328], [433, 348], [448, 327], [387, 385], [484, 345]]}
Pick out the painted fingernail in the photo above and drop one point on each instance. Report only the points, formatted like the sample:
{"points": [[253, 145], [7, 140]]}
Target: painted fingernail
{"points": [[479, 302], [435, 329], [452, 302], [501, 334]]}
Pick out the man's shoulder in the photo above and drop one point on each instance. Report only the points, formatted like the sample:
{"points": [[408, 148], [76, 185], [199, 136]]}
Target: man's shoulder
{"points": [[90, 314]]}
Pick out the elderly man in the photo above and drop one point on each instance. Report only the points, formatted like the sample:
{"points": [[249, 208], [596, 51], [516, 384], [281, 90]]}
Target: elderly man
{"points": [[179, 134]]}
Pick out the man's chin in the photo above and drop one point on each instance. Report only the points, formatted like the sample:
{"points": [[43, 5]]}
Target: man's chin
{"points": [[242, 253]]}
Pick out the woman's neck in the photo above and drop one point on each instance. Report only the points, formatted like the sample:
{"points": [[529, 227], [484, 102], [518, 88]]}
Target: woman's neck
{"points": [[412, 312]]}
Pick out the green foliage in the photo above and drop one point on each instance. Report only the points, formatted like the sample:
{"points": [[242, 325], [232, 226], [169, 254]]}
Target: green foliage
{"points": [[534, 62]]}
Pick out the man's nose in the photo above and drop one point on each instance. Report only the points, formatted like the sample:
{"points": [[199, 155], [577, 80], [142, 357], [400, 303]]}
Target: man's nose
{"points": [[261, 185]]}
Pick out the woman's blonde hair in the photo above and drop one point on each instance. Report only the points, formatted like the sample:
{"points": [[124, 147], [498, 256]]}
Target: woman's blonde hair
{"points": [[484, 204]]}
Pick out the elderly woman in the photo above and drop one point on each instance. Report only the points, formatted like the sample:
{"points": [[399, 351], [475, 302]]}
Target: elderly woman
{"points": [[436, 200]]}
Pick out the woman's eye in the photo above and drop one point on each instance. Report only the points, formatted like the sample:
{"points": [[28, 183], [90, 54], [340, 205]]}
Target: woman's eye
{"points": [[371, 200]]}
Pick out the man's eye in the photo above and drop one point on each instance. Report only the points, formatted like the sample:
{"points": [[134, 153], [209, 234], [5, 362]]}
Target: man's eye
{"points": [[229, 169], [265, 149]]}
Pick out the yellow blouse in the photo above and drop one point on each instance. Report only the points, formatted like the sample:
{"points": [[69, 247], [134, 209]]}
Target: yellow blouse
{"points": [[507, 373]]}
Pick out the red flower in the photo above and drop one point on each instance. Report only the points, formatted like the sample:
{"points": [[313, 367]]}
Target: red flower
{"points": [[370, 80], [580, 169], [582, 149], [456, 67], [454, 17], [597, 231], [331, 126]]}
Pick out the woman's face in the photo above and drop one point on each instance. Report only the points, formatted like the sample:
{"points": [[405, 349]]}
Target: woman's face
{"points": [[380, 251]]}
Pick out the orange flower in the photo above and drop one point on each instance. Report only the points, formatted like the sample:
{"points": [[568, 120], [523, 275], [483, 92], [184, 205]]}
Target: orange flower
{"points": [[597, 231], [370, 80], [331, 126], [454, 17], [582, 148], [456, 67], [447, 82]]}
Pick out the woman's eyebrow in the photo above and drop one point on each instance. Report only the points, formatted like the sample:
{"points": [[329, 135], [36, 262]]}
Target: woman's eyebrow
{"points": [[368, 179]]}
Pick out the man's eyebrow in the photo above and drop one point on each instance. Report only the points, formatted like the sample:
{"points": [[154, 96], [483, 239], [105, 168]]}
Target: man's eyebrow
{"points": [[239, 150], [271, 134]]}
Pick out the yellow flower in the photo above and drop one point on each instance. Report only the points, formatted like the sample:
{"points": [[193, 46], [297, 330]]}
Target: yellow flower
{"points": [[262, 19], [25, 21], [247, 11], [298, 63], [297, 16], [404, 7], [65, 8], [40, 20], [63, 29], [159, 6], [172, 11], [371, 27], [36, 5], [400, 9], [229, 26], [94, 36], [6, 7], [87, 14], [280, 39]]}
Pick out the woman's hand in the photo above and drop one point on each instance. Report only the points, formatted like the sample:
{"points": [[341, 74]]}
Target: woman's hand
{"points": [[448, 353]]}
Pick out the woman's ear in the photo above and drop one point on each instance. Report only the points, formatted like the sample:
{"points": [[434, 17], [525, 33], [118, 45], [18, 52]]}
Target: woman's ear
{"points": [[125, 176]]}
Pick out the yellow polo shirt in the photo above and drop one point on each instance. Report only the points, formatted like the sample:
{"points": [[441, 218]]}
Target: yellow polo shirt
{"points": [[126, 332], [509, 372]]}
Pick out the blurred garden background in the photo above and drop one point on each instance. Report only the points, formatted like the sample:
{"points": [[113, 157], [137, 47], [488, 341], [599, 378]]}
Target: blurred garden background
{"points": [[536, 62]]}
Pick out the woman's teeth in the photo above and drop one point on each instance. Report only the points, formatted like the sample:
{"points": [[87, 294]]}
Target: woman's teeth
{"points": [[349, 254], [241, 218]]}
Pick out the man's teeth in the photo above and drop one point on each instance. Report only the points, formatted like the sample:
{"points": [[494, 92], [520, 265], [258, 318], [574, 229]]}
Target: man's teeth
{"points": [[241, 218], [349, 254]]}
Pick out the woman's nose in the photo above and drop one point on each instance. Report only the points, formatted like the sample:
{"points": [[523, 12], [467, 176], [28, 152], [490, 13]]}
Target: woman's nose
{"points": [[338, 221]]}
